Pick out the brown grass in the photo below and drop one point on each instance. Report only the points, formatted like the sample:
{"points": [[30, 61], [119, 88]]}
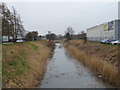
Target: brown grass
{"points": [[35, 54], [108, 71]]}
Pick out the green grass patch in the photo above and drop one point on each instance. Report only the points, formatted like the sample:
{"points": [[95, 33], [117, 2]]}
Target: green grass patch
{"points": [[35, 47], [16, 67]]}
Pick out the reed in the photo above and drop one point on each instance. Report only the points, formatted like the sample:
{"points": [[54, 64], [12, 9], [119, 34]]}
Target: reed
{"points": [[99, 67]]}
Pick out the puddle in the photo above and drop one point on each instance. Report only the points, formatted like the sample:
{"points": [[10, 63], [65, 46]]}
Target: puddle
{"points": [[63, 71]]}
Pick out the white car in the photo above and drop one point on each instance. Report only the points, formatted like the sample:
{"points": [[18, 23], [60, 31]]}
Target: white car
{"points": [[20, 41], [115, 42]]}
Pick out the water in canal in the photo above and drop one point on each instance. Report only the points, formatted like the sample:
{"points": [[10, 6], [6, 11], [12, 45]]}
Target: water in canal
{"points": [[63, 71]]}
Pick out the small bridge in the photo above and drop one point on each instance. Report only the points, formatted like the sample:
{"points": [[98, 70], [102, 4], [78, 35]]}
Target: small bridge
{"points": [[56, 41]]}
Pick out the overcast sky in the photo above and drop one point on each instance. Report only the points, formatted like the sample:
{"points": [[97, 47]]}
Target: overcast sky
{"points": [[57, 16]]}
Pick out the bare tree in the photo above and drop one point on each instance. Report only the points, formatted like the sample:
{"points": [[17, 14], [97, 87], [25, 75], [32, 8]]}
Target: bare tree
{"points": [[6, 21], [11, 23], [69, 30], [19, 27], [15, 25]]}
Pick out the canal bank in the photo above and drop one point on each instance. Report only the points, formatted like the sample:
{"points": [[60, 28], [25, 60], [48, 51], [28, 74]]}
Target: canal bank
{"points": [[23, 64], [99, 58], [63, 71]]}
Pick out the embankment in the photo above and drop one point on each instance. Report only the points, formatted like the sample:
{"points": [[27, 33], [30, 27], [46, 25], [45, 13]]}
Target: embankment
{"points": [[23, 64], [101, 59]]}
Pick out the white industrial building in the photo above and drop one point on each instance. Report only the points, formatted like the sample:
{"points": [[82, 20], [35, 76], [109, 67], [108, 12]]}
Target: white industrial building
{"points": [[108, 30]]}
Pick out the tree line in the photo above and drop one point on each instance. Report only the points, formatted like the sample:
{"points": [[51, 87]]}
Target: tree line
{"points": [[12, 25]]}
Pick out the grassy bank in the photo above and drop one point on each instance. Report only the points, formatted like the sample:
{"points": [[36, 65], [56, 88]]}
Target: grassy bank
{"points": [[23, 64], [100, 67], [0, 65]]}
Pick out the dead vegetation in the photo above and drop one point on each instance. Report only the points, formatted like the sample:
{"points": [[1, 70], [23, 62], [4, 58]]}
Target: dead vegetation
{"points": [[99, 66], [24, 64]]}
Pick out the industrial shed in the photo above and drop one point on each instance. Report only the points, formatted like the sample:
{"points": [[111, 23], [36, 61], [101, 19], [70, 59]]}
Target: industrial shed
{"points": [[108, 30]]}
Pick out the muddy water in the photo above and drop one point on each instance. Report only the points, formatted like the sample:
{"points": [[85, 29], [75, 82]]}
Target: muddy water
{"points": [[63, 71]]}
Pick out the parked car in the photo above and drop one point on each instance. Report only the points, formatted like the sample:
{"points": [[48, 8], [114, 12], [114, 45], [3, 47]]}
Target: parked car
{"points": [[107, 41], [20, 41], [102, 41], [115, 42]]}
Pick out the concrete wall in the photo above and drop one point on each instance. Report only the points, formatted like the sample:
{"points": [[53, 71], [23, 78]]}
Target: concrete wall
{"points": [[98, 32]]}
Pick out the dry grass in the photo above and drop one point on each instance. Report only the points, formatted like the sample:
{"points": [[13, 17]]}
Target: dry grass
{"points": [[108, 71], [28, 64]]}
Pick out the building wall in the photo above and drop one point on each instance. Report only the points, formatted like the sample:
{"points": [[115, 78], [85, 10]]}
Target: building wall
{"points": [[119, 10], [94, 33], [117, 29], [103, 31]]}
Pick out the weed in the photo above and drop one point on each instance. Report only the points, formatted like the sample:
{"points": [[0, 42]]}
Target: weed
{"points": [[16, 67], [96, 65], [35, 47], [23, 63]]}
